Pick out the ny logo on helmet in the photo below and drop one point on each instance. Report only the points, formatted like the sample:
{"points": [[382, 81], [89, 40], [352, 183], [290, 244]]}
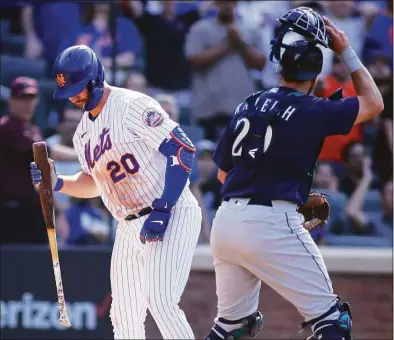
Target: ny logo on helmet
{"points": [[60, 80]]}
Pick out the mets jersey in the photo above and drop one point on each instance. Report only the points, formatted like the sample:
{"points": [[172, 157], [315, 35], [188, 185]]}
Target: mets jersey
{"points": [[119, 149]]}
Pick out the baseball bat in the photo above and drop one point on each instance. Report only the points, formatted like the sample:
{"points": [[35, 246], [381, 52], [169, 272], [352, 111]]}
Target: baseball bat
{"points": [[46, 197]]}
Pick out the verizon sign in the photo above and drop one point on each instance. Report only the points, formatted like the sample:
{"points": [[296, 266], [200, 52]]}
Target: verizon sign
{"points": [[28, 301], [29, 313]]}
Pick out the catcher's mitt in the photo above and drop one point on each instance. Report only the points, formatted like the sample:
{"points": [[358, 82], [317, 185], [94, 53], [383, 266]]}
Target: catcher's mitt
{"points": [[316, 211]]}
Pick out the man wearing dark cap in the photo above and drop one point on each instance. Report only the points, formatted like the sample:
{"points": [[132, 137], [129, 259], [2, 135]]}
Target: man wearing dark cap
{"points": [[20, 213]]}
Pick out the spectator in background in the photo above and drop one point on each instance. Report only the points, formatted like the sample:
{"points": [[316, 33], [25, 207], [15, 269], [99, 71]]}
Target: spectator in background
{"points": [[372, 6], [169, 104], [365, 227], [380, 33], [326, 182], [96, 33], [386, 197], [382, 220], [180, 7], [379, 66], [11, 11], [263, 15], [210, 186], [360, 221], [383, 148], [47, 25], [88, 222], [354, 155], [325, 178], [62, 149], [136, 81], [221, 51], [338, 78], [167, 70], [346, 17], [20, 211]]}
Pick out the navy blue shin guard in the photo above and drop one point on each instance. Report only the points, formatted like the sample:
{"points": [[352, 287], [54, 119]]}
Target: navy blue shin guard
{"points": [[339, 329], [248, 328]]}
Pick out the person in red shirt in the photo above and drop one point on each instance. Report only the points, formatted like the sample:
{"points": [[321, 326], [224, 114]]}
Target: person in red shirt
{"points": [[20, 212], [338, 78]]}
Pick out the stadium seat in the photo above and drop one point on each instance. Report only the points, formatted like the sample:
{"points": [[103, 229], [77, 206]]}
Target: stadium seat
{"points": [[3, 107], [46, 103], [4, 28], [4, 92], [372, 201], [13, 66], [13, 45], [182, 7], [139, 63], [185, 115], [358, 241], [195, 133], [211, 214]]}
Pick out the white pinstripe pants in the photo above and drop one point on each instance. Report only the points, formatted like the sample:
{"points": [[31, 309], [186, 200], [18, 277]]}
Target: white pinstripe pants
{"points": [[153, 276]]}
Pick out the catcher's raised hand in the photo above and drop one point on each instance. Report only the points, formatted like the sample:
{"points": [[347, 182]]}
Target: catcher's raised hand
{"points": [[339, 39]]}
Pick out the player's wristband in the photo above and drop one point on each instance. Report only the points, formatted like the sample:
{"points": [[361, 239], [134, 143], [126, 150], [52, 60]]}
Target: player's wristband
{"points": [[161, 205], [59, 184], [351, 60]]}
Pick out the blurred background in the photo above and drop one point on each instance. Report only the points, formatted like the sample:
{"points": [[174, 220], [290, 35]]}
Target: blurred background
{"points": [[155, 47]]}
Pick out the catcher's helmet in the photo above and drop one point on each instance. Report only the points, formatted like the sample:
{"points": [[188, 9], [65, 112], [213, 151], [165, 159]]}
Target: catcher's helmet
{"points": [[75, 68], [295, 46]]}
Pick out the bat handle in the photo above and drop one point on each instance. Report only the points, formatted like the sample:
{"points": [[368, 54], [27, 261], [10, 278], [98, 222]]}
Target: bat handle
{"points": [[63, 319]]}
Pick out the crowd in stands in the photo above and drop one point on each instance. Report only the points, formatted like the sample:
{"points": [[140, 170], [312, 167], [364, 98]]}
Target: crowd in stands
{"points": [[199, 60]]}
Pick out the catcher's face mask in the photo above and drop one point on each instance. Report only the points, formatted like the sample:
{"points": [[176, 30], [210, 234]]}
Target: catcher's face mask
{"points": [[295, 47]]}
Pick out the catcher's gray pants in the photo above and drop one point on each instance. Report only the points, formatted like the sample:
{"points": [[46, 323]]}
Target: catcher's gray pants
{"points": [[252, 243]]}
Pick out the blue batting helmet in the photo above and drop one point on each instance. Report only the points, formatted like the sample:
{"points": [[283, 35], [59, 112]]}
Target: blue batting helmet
{"points": [[295, 46], [75, 68]]}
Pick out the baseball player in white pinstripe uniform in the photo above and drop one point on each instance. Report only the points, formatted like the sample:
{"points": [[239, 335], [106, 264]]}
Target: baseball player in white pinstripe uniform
{"points": [[138, 160]]}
